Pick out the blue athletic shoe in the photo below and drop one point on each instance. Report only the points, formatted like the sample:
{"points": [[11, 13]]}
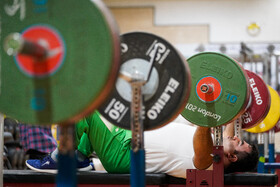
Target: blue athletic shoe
{"points": [[48, 165]]}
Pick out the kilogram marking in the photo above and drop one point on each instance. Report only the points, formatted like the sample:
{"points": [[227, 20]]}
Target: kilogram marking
{"points": [[116, 110], [247, 118]]}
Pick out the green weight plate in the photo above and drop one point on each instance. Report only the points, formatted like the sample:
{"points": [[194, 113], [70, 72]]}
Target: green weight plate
{"points": [[81, 67], [219, 92]]}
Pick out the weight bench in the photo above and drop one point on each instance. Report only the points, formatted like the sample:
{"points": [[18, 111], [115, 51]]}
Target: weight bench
{"points": [[22, 178]]}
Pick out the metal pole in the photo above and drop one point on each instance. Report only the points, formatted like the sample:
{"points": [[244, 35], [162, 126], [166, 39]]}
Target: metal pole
{"points": [[137, 154], [218, 136], [238, 128], [266, 69], [277, 72], [66, 176], [1, 147], [271, 148], [218, 159], [261, 153]]}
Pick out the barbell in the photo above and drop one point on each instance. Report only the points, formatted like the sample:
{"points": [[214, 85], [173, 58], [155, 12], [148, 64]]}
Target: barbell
{"points": [[51, 73]]}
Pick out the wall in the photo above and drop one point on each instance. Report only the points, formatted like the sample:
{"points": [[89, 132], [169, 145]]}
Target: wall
{"points": [[142, 19], [227, 20]]}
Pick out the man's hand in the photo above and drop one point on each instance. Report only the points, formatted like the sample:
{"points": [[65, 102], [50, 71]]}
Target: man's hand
{"points": [[229, 130], [203, 148]]}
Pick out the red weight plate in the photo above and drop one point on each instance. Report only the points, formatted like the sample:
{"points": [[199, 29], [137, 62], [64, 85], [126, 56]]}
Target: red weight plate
{"points": [[260, 102]]}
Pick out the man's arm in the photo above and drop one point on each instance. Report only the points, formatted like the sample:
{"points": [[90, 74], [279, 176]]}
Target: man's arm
{"points": [[203, 148], [229, 130]]}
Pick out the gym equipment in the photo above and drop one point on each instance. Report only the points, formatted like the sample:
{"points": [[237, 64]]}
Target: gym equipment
{"points": [[273, 115], [238, 127], [267, 124], [219, 90], [56, 74], [259, 102], [137, 152], [274, 165], [59, 62], [67, 163], [27, 178], [271, 148], [213, 96], [152, 89], [277, 127], [216, 100], [1, 147], [168, 81]]}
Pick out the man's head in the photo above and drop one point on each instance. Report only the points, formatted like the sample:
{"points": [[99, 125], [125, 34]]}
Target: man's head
{"points": [[239, 155]]}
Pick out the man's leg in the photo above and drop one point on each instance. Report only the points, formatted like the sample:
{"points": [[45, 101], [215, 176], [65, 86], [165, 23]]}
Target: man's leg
{"points": [[112, 148]]}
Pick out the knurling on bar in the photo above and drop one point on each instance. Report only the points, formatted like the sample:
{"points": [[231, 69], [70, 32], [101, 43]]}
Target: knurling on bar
{"points": [[238, 127], [136, 81], [136, 121], [218, 140]]}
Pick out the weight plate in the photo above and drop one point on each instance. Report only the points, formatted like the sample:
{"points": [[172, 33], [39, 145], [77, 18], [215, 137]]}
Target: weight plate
{"points": [[260, 103], [165, 93], [219, 90], [273, 114], [80, 71]]}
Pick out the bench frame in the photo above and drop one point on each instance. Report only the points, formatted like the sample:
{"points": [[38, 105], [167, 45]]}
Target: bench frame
{"points": [[196, 178]]}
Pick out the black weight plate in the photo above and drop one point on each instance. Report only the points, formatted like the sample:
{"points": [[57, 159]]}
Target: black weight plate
{"points": [[166, 92]]}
